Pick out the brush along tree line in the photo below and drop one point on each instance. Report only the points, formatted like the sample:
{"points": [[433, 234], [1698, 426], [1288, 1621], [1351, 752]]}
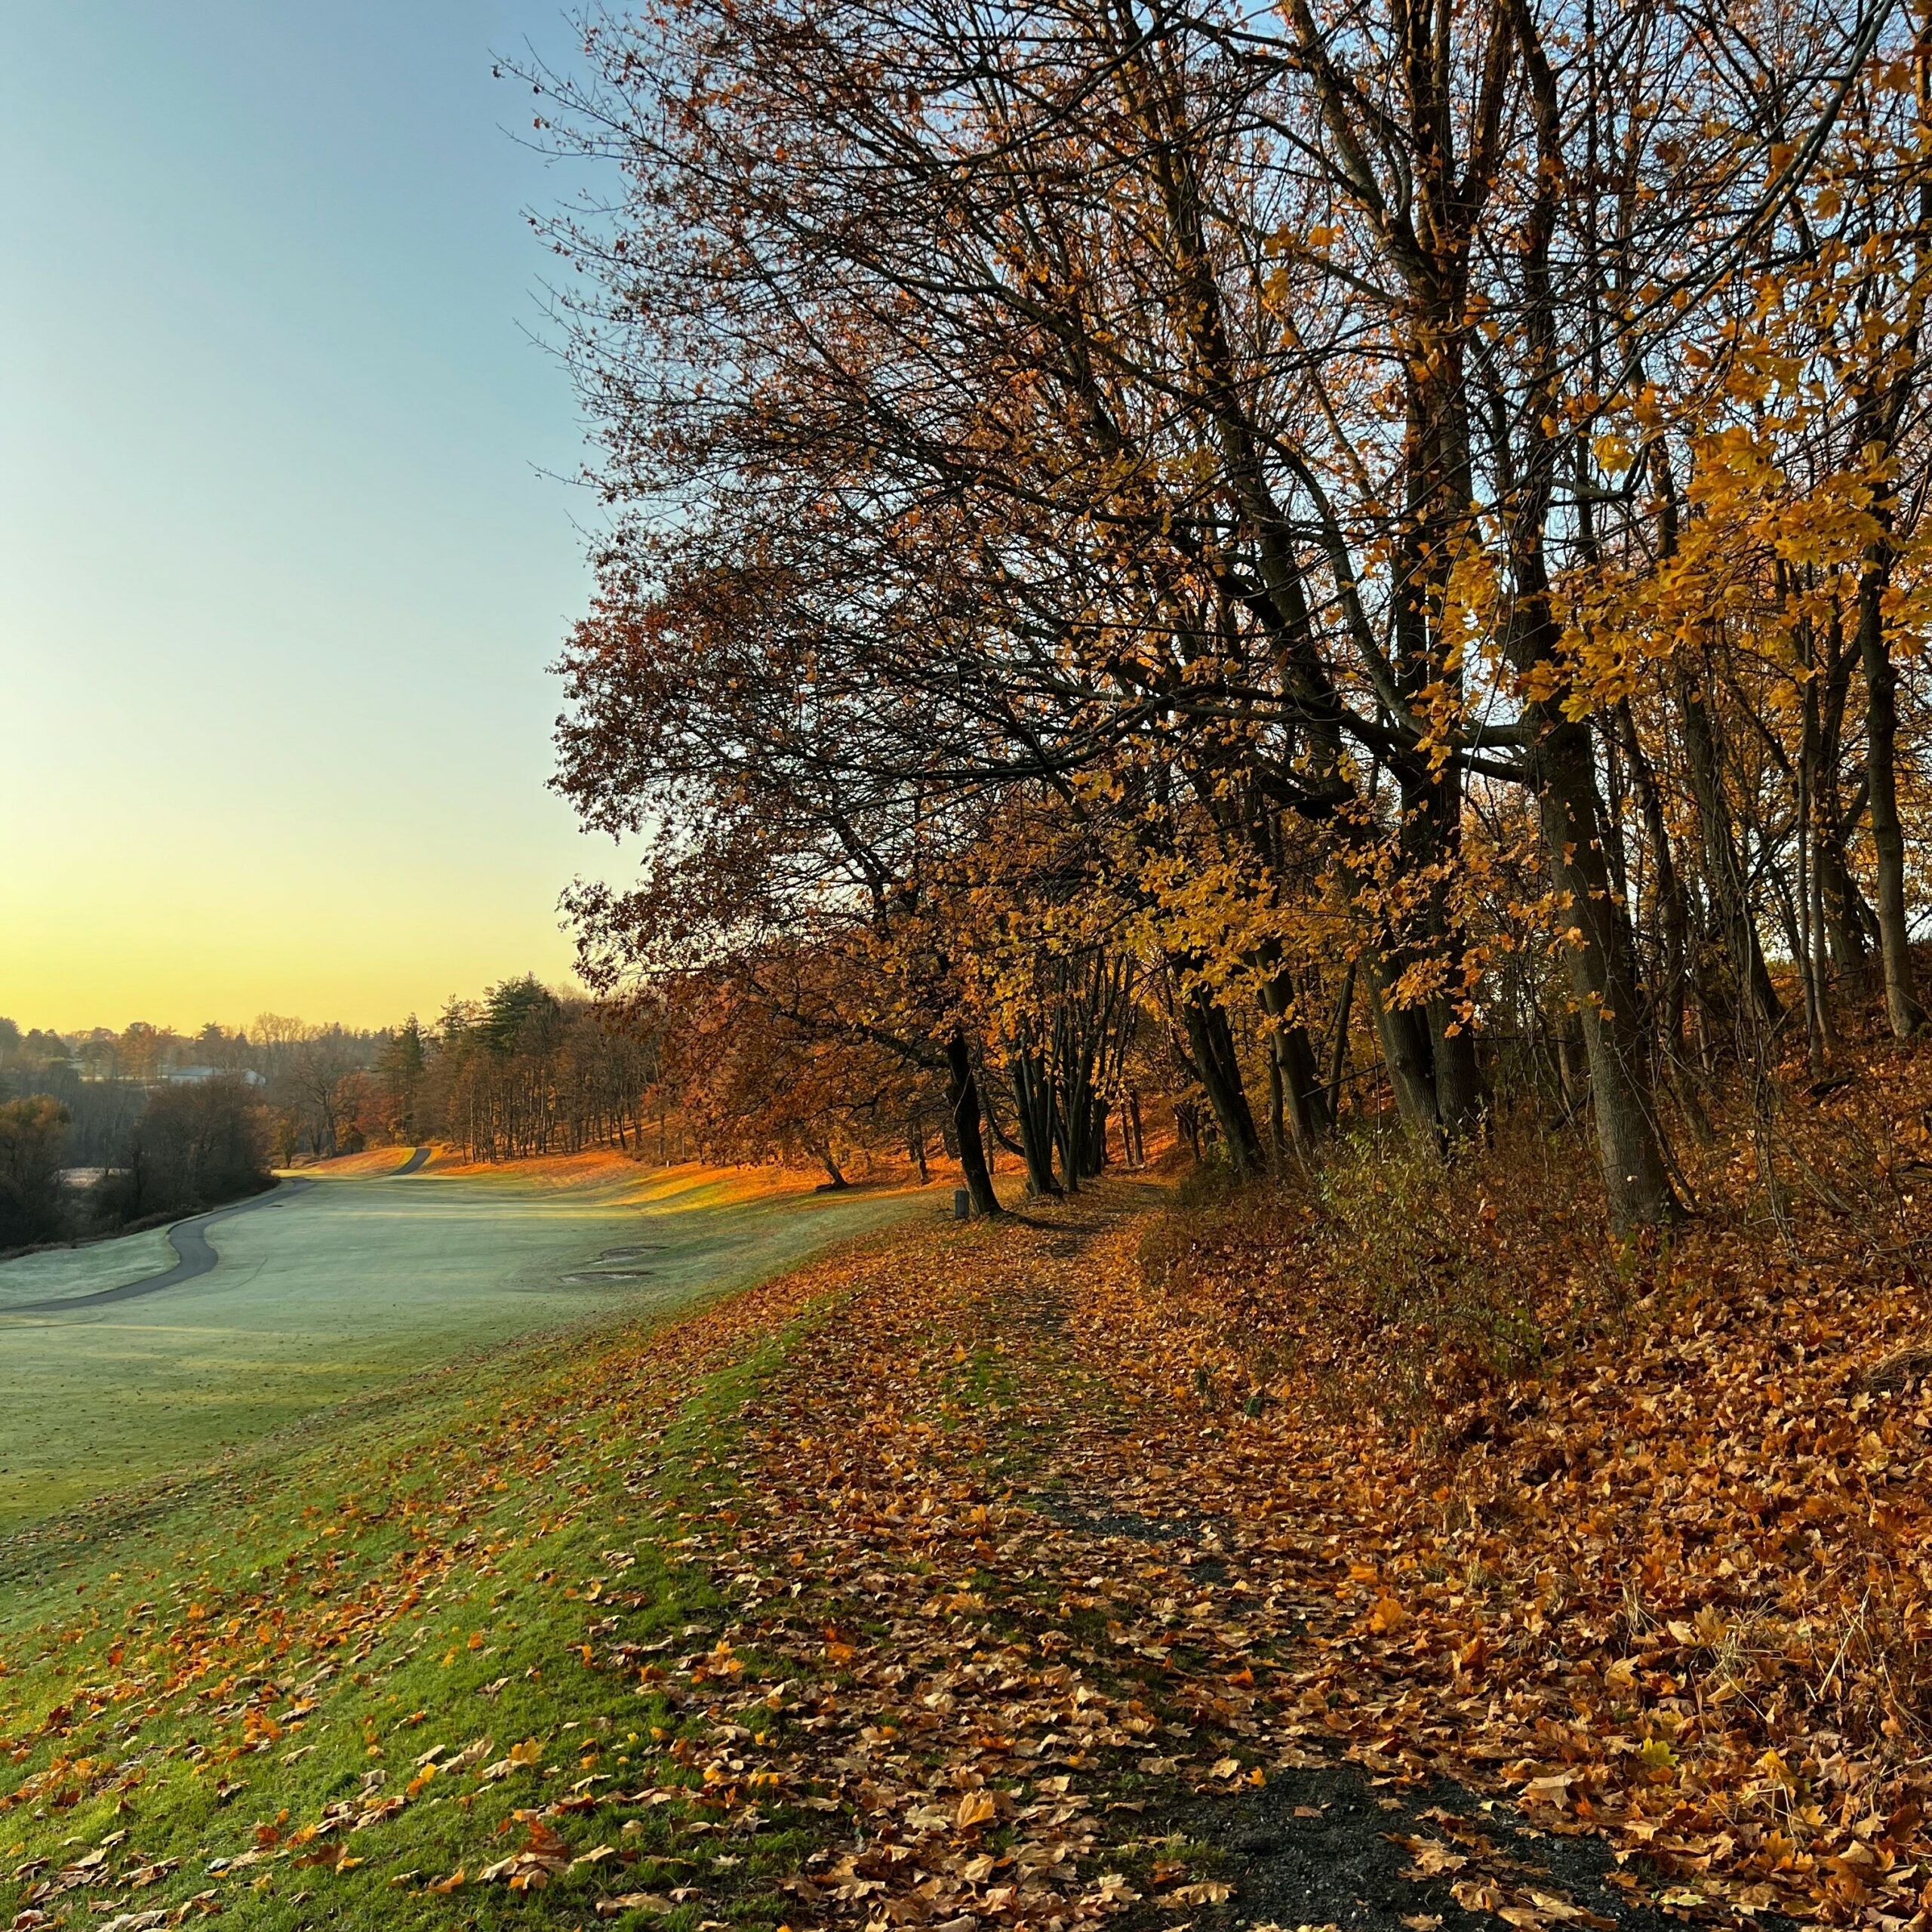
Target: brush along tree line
{"points": [[1251, 521]]}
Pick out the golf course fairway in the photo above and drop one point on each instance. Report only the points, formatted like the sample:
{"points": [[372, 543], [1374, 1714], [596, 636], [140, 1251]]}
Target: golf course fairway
{"points": [[350, 1286]]}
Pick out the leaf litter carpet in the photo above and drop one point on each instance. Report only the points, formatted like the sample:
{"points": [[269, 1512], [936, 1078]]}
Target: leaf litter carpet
{"points": [[1107, 1644]]}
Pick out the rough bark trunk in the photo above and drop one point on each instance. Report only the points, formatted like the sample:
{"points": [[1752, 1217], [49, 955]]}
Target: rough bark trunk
{"points": [[1097, 1138], [1903, 1010], [962, 1094], [1076, 1114]]}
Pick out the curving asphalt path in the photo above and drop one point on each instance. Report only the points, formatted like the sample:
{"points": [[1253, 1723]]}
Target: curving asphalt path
{"points": [[196, 1255], [190, 1242]]}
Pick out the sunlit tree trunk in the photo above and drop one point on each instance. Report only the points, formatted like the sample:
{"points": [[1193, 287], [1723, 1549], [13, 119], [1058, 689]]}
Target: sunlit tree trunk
{"points": [[1903, 1010]]}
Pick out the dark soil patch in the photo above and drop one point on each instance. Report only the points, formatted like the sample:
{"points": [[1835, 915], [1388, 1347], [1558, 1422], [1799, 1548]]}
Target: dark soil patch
{"points": [[1322, 1846], [1060, 1507]]}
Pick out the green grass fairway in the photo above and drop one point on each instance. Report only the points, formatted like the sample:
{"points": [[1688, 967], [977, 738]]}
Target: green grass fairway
{"points": [[346, 1290], [327, 1682]]}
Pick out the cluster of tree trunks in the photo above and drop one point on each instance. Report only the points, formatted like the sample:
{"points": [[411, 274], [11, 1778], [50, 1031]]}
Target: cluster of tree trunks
{"points": [[1276, 529]]}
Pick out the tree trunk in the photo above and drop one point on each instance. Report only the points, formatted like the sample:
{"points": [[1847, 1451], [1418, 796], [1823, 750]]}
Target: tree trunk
{"points": [[1902, 1008], [1723, 869], [1846, 916], [1073, 1113], [1095, 1155], [1404, 1056], [1431, 844], [1218, 1069], [1295, 1082], [962, 1095], [1462, 1101], [1032, 1102], [1338, 1048], [1630, 1148], [1667, 890]]}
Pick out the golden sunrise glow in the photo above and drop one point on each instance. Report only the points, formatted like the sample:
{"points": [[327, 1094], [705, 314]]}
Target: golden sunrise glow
{"points": [[301, 930]]}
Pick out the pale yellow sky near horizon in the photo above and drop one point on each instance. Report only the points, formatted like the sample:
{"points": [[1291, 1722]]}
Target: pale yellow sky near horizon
{"points": [[284, 549], [236, 949]]}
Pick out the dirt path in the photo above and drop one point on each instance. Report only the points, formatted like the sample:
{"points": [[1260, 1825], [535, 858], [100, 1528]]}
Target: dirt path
{"points": [[1036, 1621]]}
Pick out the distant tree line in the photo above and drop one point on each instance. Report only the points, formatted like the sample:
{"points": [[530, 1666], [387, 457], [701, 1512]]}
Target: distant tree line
{"points": [[522, 1071], [103, 1129], [303, 1076], [697, 1068], [191, 1147], [82, 1156]]}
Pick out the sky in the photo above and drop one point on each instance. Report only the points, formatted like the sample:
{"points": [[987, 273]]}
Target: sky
{"points": [[286, 534]]}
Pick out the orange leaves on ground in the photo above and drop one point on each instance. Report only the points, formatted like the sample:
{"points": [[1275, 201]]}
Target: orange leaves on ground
{"points": [[1629, 1595], [1385, 1615], [1013, 1530], [542, 1857]]}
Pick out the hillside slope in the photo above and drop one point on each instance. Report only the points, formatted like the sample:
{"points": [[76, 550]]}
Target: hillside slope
{"points": [[1034, 1573]]}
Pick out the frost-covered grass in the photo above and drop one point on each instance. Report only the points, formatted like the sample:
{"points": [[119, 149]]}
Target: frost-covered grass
{"points": [[81, 1270], [348, 1290]]}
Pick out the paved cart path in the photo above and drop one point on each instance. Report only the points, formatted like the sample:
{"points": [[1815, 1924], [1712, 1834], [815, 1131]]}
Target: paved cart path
{"points": [[351, 1284], [196, 1253], [189, 1240]]}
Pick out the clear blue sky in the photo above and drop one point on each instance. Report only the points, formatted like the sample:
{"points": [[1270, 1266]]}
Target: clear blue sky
{"points": [[280, 567]]}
